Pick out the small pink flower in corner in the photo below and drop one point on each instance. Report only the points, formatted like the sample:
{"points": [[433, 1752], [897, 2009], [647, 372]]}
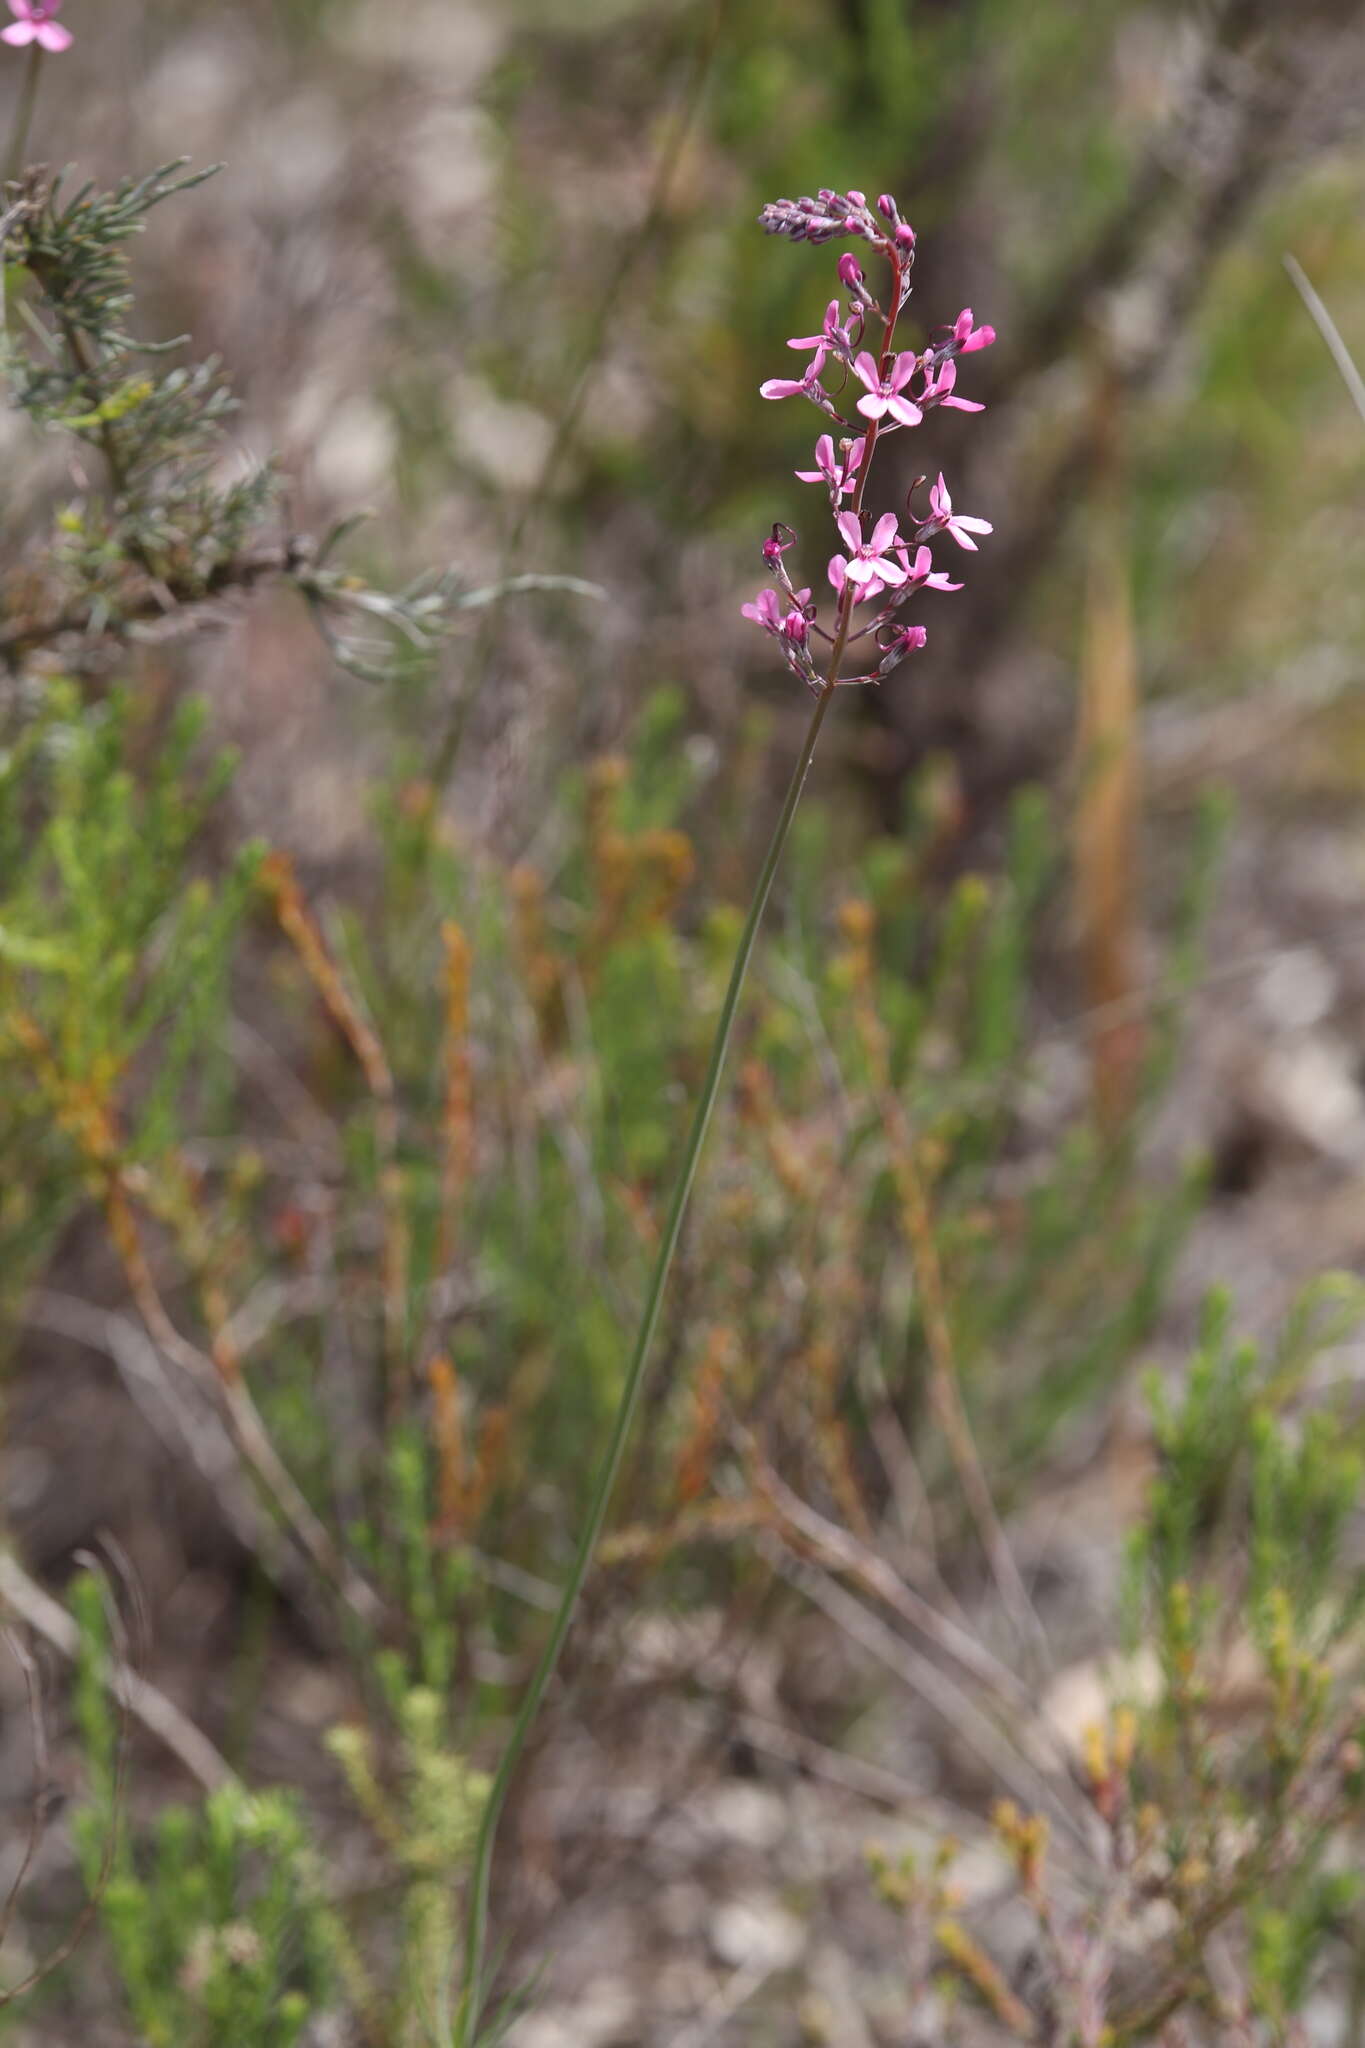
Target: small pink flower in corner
{"points": [[955, 523], [34, 23]]}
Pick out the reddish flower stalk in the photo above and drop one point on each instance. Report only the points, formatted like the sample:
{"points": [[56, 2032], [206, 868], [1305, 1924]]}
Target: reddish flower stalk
{"points": [[898, 387]]}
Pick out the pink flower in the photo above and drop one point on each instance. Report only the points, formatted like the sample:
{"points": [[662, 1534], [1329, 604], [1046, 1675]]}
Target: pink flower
{"points": [[939, 390], [884, 393], [33, 23], [957, 524], [832, 337], [904, 640], [850, 269], [838, 474], [797, 387], [775, 546], [969, 338], [923, 575], [870, 567], [767, 611]]}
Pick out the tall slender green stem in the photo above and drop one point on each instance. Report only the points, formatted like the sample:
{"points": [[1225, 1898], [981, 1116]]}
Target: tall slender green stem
{"points": [[476, 1931], [23, 113]]}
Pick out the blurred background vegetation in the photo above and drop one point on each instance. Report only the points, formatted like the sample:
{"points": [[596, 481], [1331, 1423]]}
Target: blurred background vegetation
{"points": [[349, 1010]]}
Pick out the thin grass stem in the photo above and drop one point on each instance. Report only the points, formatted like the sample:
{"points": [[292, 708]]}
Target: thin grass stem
{"points": [[476, 1931]]}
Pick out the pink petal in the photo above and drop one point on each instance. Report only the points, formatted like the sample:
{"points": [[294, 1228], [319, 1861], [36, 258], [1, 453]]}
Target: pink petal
{"points": [[873, 408], [885, 533], [983, 338], [838, 572], [975, 525], [889, 571], [866, 371], [903, 369], [22, 10], [53, 36], [964, 540], [851, 527], [810, 476], [938, 495], [781, 387], [860, 573], [906, 411], [18, 34], [962, 326], [962, 404], [808, 341]]}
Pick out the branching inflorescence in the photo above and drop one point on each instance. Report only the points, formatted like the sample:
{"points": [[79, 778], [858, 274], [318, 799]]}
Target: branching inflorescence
{"points": [[895, 389]]}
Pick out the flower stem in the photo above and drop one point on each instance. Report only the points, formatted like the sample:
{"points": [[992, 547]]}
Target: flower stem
{"points": [[23, 114], [476, 1929]]}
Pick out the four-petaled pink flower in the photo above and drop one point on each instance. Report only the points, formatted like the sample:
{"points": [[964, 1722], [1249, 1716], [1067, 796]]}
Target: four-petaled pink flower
{"points": [[784, 624], [938, 389], [797, 387], [870, 566], [841, 473], [969, 338], [955, 523], [884, 394], [832, 337], [34, 23]]}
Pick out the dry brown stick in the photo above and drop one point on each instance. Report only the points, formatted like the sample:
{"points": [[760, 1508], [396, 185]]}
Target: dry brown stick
{"points": [[837, 1549], [249, 1434], [939, 1691], [147, 1704]]}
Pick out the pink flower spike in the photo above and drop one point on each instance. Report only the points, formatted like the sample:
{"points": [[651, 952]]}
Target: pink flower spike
{"points": [[957, 524], [884, 394], [34, 24], [969, 338]]}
